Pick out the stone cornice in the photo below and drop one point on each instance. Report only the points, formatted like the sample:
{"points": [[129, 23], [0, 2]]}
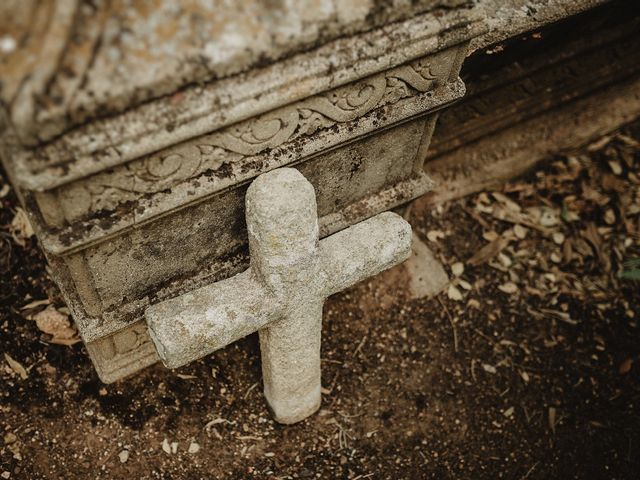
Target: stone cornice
{"points": [[200, 109]]}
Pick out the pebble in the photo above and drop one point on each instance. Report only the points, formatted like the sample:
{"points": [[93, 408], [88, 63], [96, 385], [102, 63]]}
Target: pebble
{"points": [[123, 456]]}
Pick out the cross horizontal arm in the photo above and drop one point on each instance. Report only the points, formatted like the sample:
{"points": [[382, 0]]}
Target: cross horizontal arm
{"points": [[363, 250], [195, 324]]}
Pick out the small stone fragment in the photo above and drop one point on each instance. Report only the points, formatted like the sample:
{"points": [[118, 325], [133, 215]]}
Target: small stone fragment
{"points": [[558, 238], [555, 258], [464, 284], [123, 456], [193, 447]]}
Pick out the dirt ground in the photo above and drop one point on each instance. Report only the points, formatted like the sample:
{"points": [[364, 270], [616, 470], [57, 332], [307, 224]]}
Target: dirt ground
{"points": [[526, 367]]}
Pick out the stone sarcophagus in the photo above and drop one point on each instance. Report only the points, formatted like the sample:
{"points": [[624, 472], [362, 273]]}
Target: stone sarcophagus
{"points": [[132, 133]]}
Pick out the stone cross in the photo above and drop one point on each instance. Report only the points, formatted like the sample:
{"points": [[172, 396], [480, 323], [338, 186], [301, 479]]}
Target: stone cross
{"points": [[282, 294]]}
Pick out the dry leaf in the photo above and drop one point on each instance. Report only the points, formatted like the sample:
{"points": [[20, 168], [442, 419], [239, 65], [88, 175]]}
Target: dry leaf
{"points": [[610, 217], [508, 287], [16, 366], [56, 324], [20, 227], [457, 269], [615, 167], [490, 250], [490, 236], [625, 366], [558, 238], [489, 368], [435, 235], [520, 231], [35, 303], [552, 419], [454, 294]]}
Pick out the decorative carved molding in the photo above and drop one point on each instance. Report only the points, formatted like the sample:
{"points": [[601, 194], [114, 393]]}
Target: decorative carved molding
{"points": [[211, 152]]}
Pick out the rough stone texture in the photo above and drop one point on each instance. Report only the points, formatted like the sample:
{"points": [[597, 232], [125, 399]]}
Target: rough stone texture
{"points": [[104, 57], [111, 200], [121, 133], [515, 17], [283, 291]]}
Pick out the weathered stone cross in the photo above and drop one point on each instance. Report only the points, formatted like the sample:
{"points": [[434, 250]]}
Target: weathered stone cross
{"points": [[282, 294]]}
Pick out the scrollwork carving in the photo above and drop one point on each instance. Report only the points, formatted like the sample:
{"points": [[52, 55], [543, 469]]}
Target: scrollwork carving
{"points": [[177, 164]]}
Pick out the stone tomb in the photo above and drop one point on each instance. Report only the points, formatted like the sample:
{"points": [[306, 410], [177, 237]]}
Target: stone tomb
{"points": [[131, 135], [131, 132]]}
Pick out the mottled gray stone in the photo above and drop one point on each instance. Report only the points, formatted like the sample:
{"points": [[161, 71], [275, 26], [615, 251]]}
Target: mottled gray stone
{"points": [[125, 125], [281, 295]]}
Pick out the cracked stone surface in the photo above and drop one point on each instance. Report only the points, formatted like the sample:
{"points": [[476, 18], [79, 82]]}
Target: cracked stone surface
{"points": [[282, 294]]}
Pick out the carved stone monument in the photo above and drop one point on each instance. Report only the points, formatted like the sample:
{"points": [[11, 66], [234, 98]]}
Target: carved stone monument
{"points": [[132, 131], [282, 293], [134, 142]]}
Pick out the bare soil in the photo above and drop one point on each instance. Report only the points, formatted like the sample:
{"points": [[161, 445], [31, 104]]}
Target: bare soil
{"points": [[533, 374]]}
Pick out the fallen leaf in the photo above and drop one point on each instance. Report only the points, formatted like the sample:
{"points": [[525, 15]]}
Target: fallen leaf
{"points": [[454, 294], [552, 419], [489, 368], [435, 235], [558, 238], [457, 268], [20, 227], [615, 166], [491, 249], [56, 324], [610, 217], [625, 366], [35, 303], [548, 218], [16, 367], [166, 447], [508, 287], [520, 231]]}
